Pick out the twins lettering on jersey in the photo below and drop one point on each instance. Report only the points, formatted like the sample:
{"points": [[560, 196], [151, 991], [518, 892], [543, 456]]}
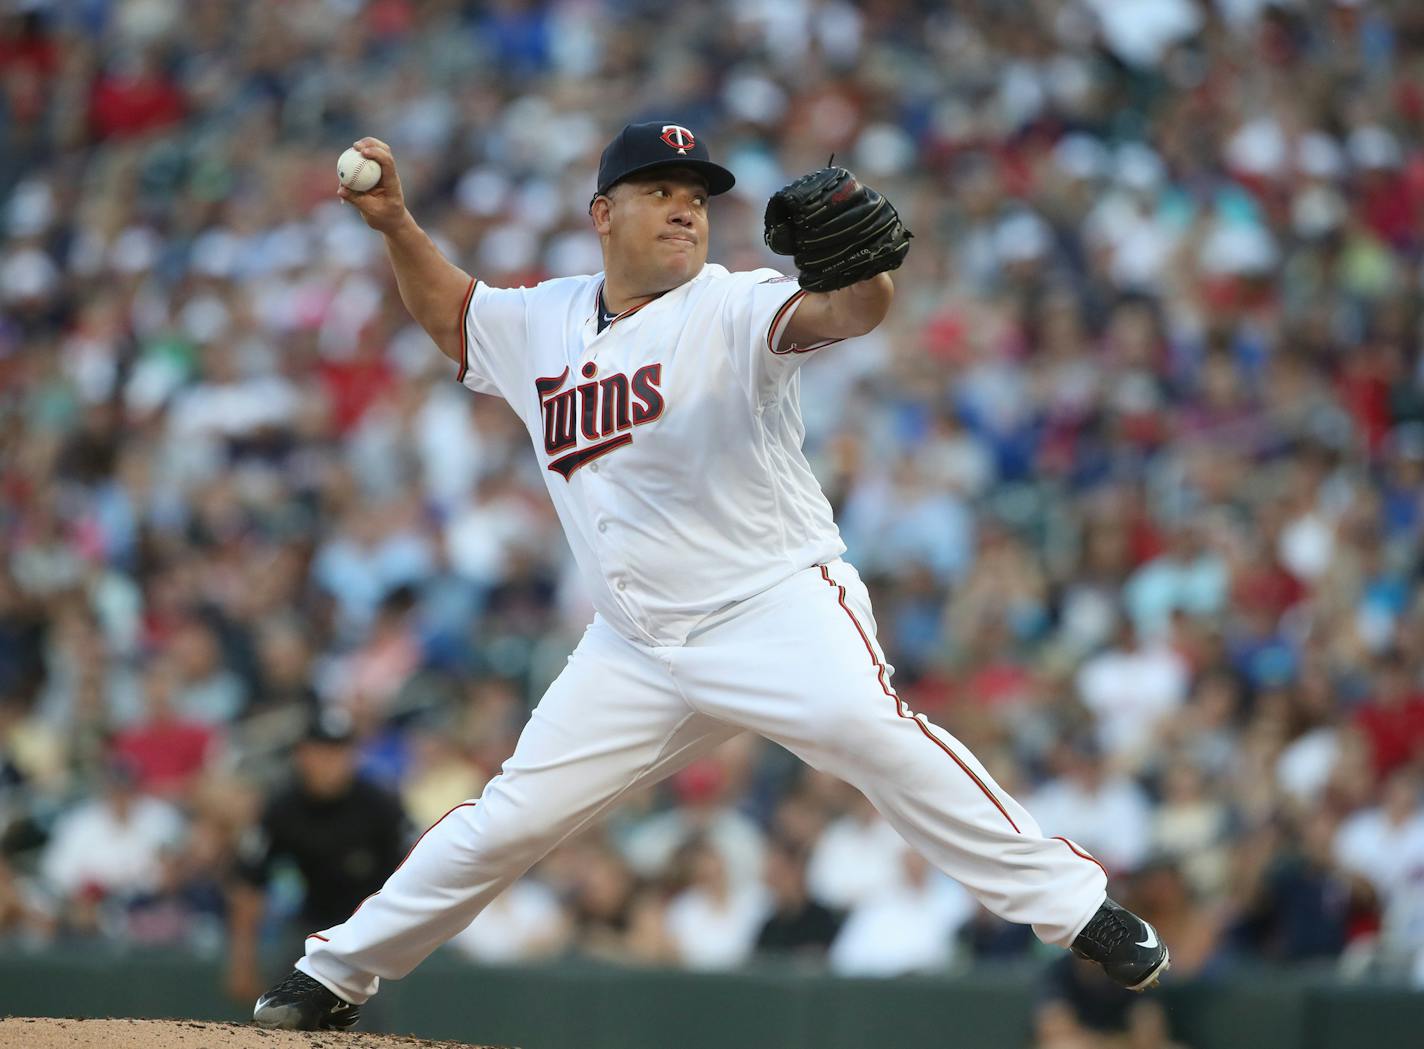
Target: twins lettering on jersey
{"points": [[596, 414]]}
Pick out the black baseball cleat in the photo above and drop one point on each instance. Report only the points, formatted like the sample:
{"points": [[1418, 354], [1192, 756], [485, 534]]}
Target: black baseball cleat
{"points": [[1125, 946], [299, 1003]]}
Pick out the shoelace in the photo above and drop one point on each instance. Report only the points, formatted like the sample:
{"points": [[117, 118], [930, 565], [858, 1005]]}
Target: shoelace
{"points": [[298, 982], [1106, 931]]}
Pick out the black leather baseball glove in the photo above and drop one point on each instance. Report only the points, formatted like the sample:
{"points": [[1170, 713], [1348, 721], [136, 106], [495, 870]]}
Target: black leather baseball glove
{"points": [[838, 230]]}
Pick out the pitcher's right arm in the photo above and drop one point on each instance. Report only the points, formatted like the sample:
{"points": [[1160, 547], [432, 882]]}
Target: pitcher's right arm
{"points": [[431, 286]]}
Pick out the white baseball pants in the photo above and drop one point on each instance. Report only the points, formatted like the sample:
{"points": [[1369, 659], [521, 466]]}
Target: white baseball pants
{"points": [[798, 664]]}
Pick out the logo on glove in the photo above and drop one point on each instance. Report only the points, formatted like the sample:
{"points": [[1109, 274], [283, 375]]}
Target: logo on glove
{"points": [[678, 137], [846, 191]]}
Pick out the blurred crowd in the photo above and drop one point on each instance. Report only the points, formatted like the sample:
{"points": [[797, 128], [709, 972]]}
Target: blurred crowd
{"points": [[1135, 469]]}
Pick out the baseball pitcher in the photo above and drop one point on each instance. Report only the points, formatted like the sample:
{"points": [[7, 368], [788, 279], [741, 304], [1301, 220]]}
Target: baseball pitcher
{"points": [[661, 396]]}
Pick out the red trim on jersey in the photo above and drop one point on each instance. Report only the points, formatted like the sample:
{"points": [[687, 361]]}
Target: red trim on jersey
{"points": [[1079, 852], [776, 322], [464, 347], [900, 708], [323, 939], [796, 297], [807, 349]]}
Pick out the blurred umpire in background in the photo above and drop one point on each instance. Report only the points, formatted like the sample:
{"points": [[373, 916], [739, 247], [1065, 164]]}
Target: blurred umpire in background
{"points": [[343, 834]]}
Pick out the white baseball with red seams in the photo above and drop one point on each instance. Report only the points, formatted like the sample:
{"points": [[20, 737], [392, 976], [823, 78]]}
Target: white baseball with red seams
{"points": [[671, 446], [357, 172]]}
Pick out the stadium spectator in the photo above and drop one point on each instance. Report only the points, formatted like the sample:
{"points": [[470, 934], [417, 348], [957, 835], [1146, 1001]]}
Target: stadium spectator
{"points": [[1392, 718], [136, 831], [1079, 1010], [1180, 916], [704, 791], [713, 923], [857, 855], [342, 834], [614, 917], [167, 752], [524, 923], [1191, 827], [1384, 844], [1132, 688], [1300, 905], [908, 925], [797, 925], [1105, 811]]}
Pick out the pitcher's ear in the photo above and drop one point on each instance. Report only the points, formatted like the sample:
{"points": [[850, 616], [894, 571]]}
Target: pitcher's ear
{"points": [[598, 209]]}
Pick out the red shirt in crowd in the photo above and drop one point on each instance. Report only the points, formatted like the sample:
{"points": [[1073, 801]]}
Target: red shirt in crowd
{"points": [[28, 62], [1395, 732], [354, 385], [124, 106], [168, 753]]}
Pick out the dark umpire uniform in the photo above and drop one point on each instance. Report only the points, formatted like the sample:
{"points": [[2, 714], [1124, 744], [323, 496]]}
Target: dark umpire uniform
{"points": [[343, 834]]}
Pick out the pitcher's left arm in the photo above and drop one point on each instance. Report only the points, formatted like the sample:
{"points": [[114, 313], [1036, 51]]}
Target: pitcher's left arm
{"points": [[844, 237], [843, 314]]}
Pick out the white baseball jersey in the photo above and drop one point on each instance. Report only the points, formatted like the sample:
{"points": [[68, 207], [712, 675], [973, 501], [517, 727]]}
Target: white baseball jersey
{"points": [[689, 385]]}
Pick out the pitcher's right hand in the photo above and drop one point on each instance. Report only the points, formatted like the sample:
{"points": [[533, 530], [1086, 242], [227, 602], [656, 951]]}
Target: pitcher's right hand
{"points": [[382, 206]]}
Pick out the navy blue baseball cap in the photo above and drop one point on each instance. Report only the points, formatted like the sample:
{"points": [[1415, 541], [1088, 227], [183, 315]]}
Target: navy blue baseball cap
{"points": [[659, 144]]}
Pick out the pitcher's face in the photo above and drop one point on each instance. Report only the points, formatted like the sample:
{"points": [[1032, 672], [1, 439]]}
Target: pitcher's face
{"points": [[654, 228]]}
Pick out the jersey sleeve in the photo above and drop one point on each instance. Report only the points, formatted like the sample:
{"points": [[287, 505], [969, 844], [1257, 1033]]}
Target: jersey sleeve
{"points": [[758, 307], [493, 338]]}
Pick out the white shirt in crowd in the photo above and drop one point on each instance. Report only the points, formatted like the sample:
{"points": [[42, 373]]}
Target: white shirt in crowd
{"points": [[1305, 765], [1113, 821], [1391, 856], [854, 859], [92, 846], [1131, 692], [651, 846], [907, 925], [525, 921], [717, 934], [1381, 850]]}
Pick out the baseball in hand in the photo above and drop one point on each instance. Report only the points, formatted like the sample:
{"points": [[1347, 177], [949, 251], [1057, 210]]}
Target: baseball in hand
{"points": [[357, 173]]}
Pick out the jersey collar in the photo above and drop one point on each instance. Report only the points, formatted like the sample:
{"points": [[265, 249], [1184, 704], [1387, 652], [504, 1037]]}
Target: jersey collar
{"points": [[602, 316], [598, 304], [598, 301]]}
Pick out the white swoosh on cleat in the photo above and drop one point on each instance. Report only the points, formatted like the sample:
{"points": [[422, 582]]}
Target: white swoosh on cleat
{"points": [[1151, 940]]}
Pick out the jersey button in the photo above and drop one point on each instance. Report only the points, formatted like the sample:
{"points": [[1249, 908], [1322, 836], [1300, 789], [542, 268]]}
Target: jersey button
{"points": [[622, 584], [593, 467], [603, 526]]}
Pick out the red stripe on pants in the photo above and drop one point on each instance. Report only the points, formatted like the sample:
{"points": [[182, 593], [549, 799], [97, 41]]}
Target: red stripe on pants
{"points": [[883, 676]]}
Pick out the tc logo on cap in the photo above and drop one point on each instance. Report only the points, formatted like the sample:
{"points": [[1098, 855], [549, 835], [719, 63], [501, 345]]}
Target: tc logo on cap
{"points": [[678, 137]]}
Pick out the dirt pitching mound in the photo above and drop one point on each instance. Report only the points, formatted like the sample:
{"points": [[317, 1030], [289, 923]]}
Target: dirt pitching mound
{"points": [[45, 1033]]}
